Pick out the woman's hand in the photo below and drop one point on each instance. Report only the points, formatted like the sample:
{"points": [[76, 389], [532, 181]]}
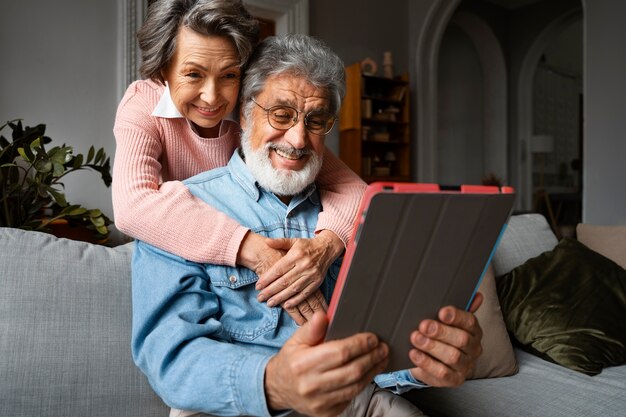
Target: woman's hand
{"points": [[255, 253], [297, 275], [260, 254]]}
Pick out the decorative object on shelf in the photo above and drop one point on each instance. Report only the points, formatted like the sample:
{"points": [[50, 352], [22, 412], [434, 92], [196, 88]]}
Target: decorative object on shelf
{"points": [[380, 136], [369, 66], [387, 65], [366, 108], [31, 191], [390, 158]]}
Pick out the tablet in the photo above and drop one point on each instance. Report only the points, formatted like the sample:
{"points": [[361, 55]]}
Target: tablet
{"points": [[415, 248]]}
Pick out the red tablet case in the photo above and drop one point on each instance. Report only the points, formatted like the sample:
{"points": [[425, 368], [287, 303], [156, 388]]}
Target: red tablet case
{"points": [[415, 248]]}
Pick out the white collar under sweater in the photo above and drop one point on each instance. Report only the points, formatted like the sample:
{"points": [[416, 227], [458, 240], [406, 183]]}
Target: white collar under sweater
{"points": [[167, 109]]}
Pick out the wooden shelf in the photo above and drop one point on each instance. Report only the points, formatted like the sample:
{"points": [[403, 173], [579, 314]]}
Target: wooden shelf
{"points": [[374, 138]]}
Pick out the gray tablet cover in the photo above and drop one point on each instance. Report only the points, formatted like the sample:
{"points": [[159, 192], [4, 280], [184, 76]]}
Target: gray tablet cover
{"points": [[414, 253]]}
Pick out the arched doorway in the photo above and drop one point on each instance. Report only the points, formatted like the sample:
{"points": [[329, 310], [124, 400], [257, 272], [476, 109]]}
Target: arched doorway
{"points": [[472, 102], [432, 142], [525, 132], [519, 122]]}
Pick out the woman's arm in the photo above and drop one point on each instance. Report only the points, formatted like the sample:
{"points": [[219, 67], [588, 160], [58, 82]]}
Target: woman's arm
{"points": [[341, 191], [165, 215]]}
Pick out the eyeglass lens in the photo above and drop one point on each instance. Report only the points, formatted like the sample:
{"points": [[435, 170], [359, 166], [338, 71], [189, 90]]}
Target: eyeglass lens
{"points": [[284, 117]]}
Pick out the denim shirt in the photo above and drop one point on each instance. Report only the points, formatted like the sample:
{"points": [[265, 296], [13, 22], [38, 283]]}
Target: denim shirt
{"points": [[199, 334]]}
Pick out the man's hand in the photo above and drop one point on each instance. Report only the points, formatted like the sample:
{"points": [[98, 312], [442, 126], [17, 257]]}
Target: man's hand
{"points": [[301, 271], [320, 379], [256, 254], [304, 311], [446, 350]]}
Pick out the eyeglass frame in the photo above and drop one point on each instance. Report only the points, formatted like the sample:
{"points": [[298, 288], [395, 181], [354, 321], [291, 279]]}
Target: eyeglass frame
{"points": [[294, 121]]}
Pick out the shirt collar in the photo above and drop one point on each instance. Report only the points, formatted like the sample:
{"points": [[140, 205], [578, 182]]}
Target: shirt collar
{"points": [[165, 107], [240, 172]]}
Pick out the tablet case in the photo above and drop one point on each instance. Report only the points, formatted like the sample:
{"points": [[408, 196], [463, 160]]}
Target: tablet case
{"points": [[415, 249]]}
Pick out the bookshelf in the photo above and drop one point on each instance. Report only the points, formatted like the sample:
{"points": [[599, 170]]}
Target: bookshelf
{"points": [[374, 136]]}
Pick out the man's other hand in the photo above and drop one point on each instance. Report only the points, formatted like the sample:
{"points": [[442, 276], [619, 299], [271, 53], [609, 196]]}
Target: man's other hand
{"points": [[445, 351], [320, 379]]}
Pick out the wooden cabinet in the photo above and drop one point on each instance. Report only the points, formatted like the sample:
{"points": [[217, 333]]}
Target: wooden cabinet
{"points": [[374, 137]]}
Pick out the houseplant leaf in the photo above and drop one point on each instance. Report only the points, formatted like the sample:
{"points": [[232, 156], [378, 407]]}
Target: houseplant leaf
{"points": [[32, 194]]}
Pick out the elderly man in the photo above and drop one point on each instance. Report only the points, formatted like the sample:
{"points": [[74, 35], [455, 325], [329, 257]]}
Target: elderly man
{"points": [[199, 333]]}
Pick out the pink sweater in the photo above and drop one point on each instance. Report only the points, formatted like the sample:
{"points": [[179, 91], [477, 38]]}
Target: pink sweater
{"points": [[154, 154]]}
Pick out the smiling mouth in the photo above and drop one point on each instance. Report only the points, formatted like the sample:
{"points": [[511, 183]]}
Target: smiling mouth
{"points": [[288, 155], [208, 109]]}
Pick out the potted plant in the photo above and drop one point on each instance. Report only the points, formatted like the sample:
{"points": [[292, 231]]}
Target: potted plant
{"points": [[31, 189]]}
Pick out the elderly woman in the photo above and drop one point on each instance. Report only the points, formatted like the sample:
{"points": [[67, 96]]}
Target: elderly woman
{"points": [[172, 126]]}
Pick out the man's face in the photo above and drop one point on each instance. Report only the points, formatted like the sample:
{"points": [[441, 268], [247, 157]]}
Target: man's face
{"points": [[284, 161]]}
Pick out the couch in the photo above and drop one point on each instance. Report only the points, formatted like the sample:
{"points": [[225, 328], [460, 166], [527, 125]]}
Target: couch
{"points": [[65, 317]]}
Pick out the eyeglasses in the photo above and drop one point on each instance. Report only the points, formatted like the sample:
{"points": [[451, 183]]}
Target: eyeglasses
{"points": [[281, 117]]}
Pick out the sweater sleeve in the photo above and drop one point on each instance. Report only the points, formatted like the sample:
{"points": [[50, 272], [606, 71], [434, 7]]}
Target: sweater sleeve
{"points": [[341, 191], [165, 215]]}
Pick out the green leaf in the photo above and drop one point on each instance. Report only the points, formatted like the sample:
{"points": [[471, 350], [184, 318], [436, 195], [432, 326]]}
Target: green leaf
{"points": [[90, 154], [59, 169], [78, 211], [42, 190], [58, 196], [95, 213], [102, 230], [35, 144], [97, 221], [78, 161], [43, 166], [24, 153], [99, 155], [58, 155]]}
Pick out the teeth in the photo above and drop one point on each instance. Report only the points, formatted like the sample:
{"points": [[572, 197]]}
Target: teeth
{"points": [[286, 155]]}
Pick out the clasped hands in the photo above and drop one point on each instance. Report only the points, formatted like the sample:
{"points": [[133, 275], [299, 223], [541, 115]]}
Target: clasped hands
{"points": [[291, 270]]}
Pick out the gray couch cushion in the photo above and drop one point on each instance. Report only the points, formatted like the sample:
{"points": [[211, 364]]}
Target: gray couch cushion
{"points": [[526, 236], [540, 389], [65, 321]]}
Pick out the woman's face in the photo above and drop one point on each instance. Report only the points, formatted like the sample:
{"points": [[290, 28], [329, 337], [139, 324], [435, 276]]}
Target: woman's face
{"points": [[203, 78]]}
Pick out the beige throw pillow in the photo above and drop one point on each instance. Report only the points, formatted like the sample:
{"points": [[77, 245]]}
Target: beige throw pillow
{"points": [[608, 241], [498, 358]]}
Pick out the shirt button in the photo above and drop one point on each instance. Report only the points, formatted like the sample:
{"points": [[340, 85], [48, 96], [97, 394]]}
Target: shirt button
{"points": [[232, 279]]}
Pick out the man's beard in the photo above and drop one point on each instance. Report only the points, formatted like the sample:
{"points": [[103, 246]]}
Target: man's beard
{"points": [[282, 182]]}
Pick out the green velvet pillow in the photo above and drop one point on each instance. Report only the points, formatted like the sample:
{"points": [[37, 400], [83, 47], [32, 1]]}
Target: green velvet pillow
{"points": [[568, 306]]}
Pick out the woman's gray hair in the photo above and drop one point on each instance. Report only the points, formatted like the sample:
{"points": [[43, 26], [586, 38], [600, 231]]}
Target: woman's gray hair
{"points": [[300, 55], [226, 18]]}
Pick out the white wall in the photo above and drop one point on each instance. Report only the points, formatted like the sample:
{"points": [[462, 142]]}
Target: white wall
{"points": [[604, 146], [59, 67]]}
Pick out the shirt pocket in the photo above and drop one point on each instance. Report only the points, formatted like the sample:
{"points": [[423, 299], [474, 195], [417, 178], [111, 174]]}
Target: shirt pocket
{"points": [[243, 317]]}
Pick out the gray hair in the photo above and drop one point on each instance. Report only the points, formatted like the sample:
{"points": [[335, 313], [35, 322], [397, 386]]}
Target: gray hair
{"points": [[300, 55], [226, 18]]}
